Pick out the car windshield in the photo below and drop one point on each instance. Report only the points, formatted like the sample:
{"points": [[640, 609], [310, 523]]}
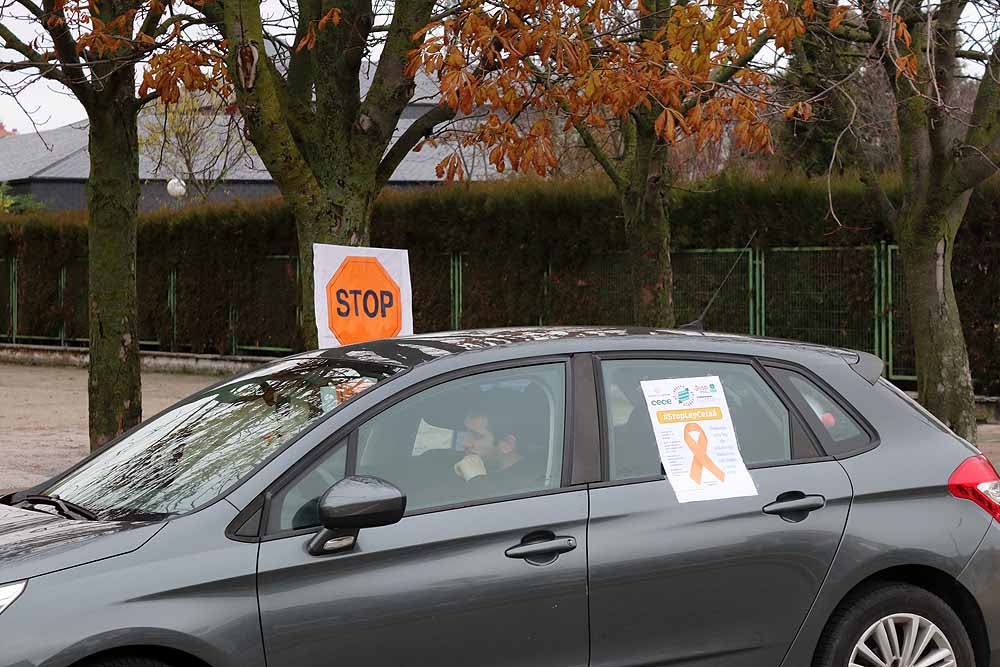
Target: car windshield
{"points": [[197, 449]]}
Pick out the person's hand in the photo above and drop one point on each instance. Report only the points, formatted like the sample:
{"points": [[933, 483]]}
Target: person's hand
{"points": [[470, 467]]}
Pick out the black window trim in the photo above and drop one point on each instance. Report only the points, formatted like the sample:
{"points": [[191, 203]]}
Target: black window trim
{"points": [[586, 464], [810, 419], [684, 355], [348, 436]]}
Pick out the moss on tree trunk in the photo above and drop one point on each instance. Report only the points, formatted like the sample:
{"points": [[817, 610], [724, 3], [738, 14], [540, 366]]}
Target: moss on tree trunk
{"points": [[647, 221], [114, 385], [343, 218], [646, 215]]}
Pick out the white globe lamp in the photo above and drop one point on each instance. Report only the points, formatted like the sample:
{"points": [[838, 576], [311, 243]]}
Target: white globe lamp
{"points": [[176, 188]]}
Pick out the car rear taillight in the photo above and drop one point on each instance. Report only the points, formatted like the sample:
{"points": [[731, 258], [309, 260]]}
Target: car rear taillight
{"points": [[977, 480]]}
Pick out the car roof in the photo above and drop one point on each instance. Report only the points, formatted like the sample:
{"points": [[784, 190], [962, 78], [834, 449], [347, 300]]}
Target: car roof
{"points": [[410, 351]]}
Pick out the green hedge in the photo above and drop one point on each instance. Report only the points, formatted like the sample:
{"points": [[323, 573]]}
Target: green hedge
{"points": [[533, 251]]}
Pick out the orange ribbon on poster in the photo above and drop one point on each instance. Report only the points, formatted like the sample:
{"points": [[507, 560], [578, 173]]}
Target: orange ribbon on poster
{"points": [[697, 442]]}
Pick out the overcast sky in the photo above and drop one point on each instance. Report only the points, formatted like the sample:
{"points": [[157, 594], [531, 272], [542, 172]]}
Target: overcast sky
{"points": [[50, 106], [47, 103]]}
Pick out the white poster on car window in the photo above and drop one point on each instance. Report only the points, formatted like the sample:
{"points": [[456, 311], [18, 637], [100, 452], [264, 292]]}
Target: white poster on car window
{"points": [[696, 439]]}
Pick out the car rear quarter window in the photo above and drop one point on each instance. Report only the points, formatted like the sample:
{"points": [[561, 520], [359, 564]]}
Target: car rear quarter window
{"points": [[922, 412], [838, 430]]}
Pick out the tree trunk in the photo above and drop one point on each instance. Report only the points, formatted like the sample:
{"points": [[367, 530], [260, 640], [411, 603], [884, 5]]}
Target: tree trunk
{"points": [[646, 214], [944, 381], [114, 387], [342, 219], [647, 220]]}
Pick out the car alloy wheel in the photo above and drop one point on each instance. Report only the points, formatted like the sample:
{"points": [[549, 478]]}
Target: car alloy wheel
{"points": [[903, 640]]}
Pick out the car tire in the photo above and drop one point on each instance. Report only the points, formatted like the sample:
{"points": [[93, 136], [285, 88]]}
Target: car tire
{"points": [[912, 611]]}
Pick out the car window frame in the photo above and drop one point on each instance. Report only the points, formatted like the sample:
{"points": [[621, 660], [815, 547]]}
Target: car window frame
{"points": [[680, 355], [347, 436], [811, 420]]}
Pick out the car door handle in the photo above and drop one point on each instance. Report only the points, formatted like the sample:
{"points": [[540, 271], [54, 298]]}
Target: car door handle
{"points": [[795, 505], [533, 550]]}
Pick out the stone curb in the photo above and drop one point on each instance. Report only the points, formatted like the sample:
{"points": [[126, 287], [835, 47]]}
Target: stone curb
{"points": [[159, 362]]}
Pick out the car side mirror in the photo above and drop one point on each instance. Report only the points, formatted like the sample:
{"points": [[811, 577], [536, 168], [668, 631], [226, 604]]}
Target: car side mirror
{"points": [[351, 504]]}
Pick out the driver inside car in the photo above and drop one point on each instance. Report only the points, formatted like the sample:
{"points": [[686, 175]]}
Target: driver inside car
{"points": [[494, 456]]}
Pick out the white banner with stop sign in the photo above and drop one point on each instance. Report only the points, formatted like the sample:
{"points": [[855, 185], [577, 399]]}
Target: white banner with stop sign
{"points": [[361, 294]]}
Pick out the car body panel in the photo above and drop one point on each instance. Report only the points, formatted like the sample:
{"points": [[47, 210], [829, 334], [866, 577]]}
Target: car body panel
{"points": [[36, 543], [981, 577], [906, 476], [189, 588], [712, 582], [435, 588]]}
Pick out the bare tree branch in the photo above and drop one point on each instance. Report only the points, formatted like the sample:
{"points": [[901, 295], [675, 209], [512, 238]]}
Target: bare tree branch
{"points": [[419, 129], [32, 8], [600, 155], [34, 58], [980, 154], [726, 72], [392, 88], [972, 55]]}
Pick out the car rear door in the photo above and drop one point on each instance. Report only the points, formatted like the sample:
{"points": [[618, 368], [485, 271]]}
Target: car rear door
{"points": [[466, 577], [709, 582]]}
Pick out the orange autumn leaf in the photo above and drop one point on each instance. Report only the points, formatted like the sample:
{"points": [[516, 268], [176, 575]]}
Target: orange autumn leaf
{"points": [[801, 111], [907, 66], [837, 16], [333, 16], [569, 62], [308, 40], [903, 32]]}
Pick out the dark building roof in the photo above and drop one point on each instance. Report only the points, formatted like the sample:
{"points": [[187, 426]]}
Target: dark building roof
{"points": [[61, 153]]}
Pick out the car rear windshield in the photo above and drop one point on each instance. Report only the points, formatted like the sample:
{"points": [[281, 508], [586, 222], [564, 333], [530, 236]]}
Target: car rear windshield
{"points": [[197, 449]]}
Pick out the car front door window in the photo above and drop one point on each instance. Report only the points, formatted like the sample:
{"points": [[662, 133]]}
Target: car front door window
{"points": [[490, 435]]}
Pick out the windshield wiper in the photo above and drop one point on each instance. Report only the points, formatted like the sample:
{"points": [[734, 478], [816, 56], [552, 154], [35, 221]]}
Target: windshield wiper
{"points": [[65, 508]]}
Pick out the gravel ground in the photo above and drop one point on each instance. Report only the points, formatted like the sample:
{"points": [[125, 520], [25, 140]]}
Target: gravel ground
{"points": [[43, 418]]}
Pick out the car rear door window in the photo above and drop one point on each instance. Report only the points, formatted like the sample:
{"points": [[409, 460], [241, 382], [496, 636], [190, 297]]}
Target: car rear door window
{"points": [[766, 431]]}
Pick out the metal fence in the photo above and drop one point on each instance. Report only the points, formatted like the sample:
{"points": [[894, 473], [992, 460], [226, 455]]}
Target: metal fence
{"points": [[846, 297]]}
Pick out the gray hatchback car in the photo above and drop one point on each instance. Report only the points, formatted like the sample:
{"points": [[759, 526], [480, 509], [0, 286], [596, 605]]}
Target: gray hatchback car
{"points": [[508, 497]]}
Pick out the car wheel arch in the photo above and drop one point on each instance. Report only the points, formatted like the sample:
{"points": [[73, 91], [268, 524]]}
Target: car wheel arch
{"points": [[166, 654], [161, 644], [939, 583]]}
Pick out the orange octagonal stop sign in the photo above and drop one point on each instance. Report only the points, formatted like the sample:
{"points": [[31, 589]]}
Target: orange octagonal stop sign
{"points": [[363, 302]]}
